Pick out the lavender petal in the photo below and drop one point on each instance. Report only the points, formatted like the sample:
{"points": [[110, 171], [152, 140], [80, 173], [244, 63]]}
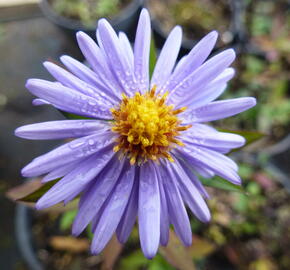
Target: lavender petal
{"points": [[167, 58], [212, 91], [188, 169], [191, 194], [214, 161], [149, 210], [164, 218], [176, 208], [126, 48], [75, 181], [73, 82], [113, 211], [87, 75], [129, 217], [94, 198], [221, 109], [67, 153], [117, 62], [213, 139], [185, 91], [193, 60], [68, 100], [61, 129], [97, 61], [142, 50], [40, 102], [60, 171]]}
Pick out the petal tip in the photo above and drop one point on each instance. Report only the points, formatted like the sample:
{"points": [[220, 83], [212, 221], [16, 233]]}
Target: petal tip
{"points": [[178, 30], [38, 205], [207, 217], [32, 83], [76, 230], [252, 101], [80, 34], [64, 58], [25, 172], [103, 23], [29, 83], [144, 12], [149, 255], [187, 242], [49, 65], [18, 132], [95, 251], [213, 36], [232, 52]]}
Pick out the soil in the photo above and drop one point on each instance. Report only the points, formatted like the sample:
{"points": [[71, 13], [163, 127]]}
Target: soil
{"points": [[196, 17]]}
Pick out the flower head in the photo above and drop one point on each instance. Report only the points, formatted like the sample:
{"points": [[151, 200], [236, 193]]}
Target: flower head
{"points": [[143, 162], [147, 127]]}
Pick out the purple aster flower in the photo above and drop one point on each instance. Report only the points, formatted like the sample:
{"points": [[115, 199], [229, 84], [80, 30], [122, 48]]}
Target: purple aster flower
{"points": [[143, 162]]}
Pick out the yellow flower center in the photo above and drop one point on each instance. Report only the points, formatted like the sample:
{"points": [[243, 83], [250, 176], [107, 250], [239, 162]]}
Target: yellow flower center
{"points": [[147, 127]]}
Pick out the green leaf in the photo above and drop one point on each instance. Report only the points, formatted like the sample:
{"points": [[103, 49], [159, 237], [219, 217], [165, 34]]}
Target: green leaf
{"points": [[241, 203], [67, 219], [250, 136], [35, 195], [159, 263], [89, 232], [218, 182], [152, 57], [72, 116], [133, 261]]}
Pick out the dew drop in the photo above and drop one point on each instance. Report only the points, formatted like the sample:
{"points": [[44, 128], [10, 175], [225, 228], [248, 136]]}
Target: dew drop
{"points": [[75, 144], [91, 142], [92, 102]]}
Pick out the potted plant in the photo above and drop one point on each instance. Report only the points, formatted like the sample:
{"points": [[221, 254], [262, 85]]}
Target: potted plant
{"points": [[76, 15], [197, 17]]}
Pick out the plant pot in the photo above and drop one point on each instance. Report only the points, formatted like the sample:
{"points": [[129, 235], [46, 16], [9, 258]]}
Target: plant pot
{"points": [[24, 237], [278, 163], [38, 237], [233, 35], [125, 21]]}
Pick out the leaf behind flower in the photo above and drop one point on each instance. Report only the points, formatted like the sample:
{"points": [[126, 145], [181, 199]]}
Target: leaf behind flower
{"points": [[218, 182], [35, 195], [152, 57]]}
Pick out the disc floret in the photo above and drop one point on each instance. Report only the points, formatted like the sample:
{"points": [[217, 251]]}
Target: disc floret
{"points": [[147, 127]]}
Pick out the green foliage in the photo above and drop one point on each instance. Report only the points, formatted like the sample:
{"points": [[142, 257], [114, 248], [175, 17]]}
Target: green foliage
{"points": [[245, 171], [159, 263], [254, 65], [152, 57], [218, 182], [261, 25], [133, 261], [67, 219], [35, 195], [136, 260], [89, 232], [262, 22], [73, 116], [87, 11]]}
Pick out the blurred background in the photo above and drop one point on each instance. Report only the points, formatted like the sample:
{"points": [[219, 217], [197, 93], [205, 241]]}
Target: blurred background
{"points": [[250, 229]]}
